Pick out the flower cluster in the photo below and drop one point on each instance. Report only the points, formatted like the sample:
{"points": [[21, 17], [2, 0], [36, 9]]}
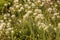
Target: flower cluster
{"points": [[31, 18]]}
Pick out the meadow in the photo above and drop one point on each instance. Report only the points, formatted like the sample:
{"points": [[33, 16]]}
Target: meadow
{"points": [[29, 20]]}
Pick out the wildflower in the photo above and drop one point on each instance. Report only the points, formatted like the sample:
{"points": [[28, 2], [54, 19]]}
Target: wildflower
{"points": [[5, 4], [58, 16], [8, 14], [2, 25], [38, 10], [54, 9], [34, 13], [28, 12], [17, 6], [33, 5], [55, 29], [49, 9], [8, 23], [46, 28], [19, 21], [50, 24], [25, 16], [53, 17], [26, 5], [55, 14], [43, 25], [12, 9], [38, 1], [5, 17], [21, 8], [19, 31], [10, 20], [1, 21], [16, 1], [13, 16], [58, 25], [58, 1], [12, 31], [40, 16], [42, 4], [9, 29]]}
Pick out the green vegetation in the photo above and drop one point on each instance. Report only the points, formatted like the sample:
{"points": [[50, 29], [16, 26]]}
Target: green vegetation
{"points": [[29, 20]]}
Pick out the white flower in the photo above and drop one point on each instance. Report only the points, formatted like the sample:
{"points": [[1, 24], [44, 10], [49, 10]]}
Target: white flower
{"points": [[21, 8], [1, 20], [12, 31], [29, 7], [49, 9], [25, 16], [8, 14], [53, 17], [56, 5], [58, 16], [38, 1], [42, 4], [10, 20], [50, 24], [44, 0], [40, 16], [55, 14], [58, 25], [2, 25], [51, 3], [33, 5], [12, 8], [28, 0], [5, 15], [46, 28], [15, 1], [13, 16], [26, 5], [48, 0], [5, 4], [34, 13], [8, 23], [55, 29], [19, 21], [58, 1], [17, 6], [8, 29], [42, 25], [38, 10], [54, 9], [29, 12]]}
